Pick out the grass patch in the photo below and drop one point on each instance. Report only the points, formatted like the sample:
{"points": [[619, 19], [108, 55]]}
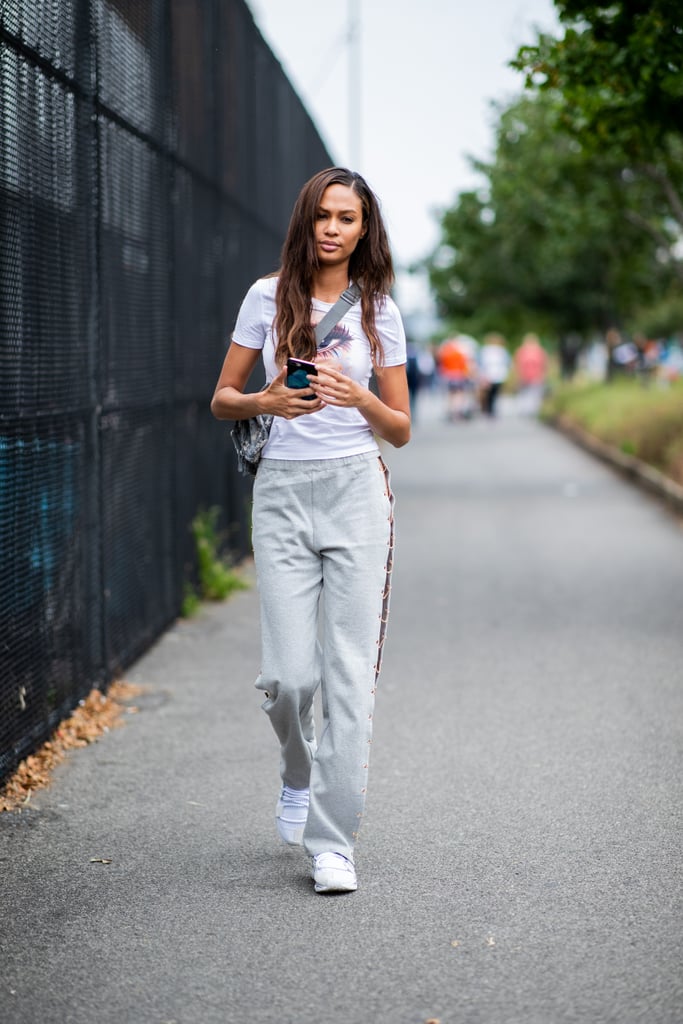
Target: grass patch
{"points": [[191, 602], [217, 577], [641, 420]]}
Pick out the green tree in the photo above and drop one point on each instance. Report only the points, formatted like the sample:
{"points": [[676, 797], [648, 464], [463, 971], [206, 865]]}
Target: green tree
{"points": [[542, 245], [618, 75]]}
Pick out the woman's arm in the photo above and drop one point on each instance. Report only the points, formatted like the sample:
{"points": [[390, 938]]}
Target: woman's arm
{"points": [[230, 403], [388, 414]]}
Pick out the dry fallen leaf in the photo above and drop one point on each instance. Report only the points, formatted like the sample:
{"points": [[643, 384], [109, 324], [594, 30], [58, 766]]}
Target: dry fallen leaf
{"points": [[94, 716], [100, 860], [490, 941]]}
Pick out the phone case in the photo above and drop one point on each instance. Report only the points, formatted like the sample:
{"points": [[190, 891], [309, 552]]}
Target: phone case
{"points": [[297, 370]]}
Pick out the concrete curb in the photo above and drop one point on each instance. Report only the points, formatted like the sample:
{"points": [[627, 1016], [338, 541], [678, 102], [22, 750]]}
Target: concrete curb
{"points": [[634, 469]]}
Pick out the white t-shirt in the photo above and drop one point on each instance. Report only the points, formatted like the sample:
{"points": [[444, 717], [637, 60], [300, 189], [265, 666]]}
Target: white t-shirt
{"points": [[331, 432], [494, 363]]}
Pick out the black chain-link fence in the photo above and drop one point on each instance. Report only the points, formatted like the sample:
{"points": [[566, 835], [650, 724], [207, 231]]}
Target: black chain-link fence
{"points": [[150, 152]]}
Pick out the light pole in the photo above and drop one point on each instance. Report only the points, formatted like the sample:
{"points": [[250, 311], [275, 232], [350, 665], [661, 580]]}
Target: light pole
{"points": [[354, 72]]}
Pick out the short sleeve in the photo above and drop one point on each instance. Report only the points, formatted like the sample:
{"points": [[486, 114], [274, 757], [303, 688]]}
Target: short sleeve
{"points": [[392, 334], [251, 327]]}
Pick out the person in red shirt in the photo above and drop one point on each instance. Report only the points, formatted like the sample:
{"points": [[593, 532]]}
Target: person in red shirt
{"points": [[531, 367]]}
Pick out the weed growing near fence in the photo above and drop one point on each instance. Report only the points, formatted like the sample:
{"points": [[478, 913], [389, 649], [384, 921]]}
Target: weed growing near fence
{"points": [[217, 577]]}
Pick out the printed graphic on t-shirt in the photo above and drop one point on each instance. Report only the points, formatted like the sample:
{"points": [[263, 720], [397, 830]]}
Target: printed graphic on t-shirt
{"points": [[337, 343]]}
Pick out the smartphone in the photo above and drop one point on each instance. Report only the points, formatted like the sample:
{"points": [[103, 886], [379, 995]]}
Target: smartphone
{"points": [[297, 369]]}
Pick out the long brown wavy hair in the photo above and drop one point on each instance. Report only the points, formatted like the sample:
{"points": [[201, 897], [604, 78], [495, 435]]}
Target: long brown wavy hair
{"points": [[370, 267]]}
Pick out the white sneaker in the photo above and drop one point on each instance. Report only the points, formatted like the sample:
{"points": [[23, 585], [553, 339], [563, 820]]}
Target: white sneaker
{"points": [[334, 873], [290, 815]]}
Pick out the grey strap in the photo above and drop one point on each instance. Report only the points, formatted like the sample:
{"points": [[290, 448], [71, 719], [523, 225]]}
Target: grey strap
{"points": [[347, 299]]}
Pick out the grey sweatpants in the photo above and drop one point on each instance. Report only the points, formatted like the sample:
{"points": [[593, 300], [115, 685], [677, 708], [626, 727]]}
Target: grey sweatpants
{"points": [[323, 546]]}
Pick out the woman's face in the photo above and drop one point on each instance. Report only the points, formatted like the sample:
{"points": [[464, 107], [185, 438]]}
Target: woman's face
{"points": [[339, 225]]}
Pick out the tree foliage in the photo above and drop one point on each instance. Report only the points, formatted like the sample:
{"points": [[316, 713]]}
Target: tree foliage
{"points": [[579, 221], [543, 243], [618, 70]]}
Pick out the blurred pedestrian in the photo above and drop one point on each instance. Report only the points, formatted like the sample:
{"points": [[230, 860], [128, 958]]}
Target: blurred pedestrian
{"points": [[531, 368], [322, 507], [456, 370], [671, 361], [494, 367], [426, 365], [612, 342], [413, 376]]}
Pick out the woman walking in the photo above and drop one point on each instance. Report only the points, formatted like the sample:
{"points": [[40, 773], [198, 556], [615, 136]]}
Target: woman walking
{"points": [[323, 508]]}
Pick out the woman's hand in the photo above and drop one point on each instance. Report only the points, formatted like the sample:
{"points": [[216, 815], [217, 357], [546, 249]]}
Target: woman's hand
{"points": [[334, 388], [387, 414], [231, 403], [279, 400]]}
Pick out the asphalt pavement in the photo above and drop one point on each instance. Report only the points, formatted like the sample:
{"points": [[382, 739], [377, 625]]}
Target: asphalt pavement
{"points": [[520, 859]]}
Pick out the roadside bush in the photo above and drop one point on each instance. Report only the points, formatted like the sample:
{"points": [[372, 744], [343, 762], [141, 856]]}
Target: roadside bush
{"points": [[645, 420]]}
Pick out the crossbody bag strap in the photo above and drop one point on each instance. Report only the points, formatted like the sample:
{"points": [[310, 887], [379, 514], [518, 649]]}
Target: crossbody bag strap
{"points": [[348, 298]]}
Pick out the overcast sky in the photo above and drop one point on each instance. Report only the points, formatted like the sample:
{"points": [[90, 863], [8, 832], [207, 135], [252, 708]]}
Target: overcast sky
{"points": [[424, 77]]}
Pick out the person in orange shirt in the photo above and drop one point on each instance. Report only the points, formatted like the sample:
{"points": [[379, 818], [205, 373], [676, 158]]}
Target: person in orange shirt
{"points": [[455, 369]]}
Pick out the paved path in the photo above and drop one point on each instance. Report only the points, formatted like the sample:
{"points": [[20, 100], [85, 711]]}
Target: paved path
{"points": [[520, 858]]}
